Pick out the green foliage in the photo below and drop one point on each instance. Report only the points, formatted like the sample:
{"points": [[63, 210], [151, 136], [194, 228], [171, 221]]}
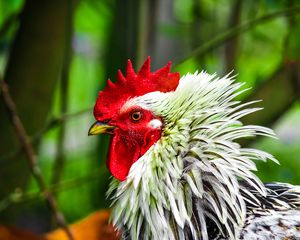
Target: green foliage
{"points": [[286, 149], [176, 30]]}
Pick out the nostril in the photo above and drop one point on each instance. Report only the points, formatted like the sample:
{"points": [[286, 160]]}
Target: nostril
{"points": [[103, 120], [106, 121]]}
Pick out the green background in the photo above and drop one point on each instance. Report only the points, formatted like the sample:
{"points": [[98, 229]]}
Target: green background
{"points": [[55, 55]]}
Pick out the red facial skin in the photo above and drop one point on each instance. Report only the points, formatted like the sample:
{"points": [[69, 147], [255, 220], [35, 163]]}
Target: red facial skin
{"points": [[130, 140]]}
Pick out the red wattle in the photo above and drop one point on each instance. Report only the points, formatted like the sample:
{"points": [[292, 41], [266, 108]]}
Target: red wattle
{"points": [[120, 157], [124, 150]]}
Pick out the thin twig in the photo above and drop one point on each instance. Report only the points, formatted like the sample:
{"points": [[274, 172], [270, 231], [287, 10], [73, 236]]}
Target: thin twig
{"points": [[56, 121], [52, 123], [31, 157], [18, 196], [229, 34], [222, 38]]}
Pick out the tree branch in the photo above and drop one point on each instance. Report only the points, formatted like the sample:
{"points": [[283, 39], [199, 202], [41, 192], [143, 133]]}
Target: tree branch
{"points": [[231, 33], [52, 123], [31, 156], [18, 196], [222, 38]]}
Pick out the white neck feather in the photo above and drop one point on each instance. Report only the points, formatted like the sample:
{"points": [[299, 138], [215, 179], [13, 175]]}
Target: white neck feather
{"points": [[191, 174]]}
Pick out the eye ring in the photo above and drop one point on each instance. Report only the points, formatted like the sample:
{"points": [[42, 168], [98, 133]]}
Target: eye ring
{"points": [[136, 116]]}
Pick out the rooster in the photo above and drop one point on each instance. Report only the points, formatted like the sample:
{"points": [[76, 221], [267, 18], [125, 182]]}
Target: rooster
{"points": [[178, 171]]}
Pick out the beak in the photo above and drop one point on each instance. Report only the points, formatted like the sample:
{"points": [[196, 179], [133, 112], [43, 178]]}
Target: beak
{"points": [[99, 128]]}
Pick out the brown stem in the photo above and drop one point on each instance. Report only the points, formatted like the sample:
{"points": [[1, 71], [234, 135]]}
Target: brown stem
{"points": [[31, 156]]}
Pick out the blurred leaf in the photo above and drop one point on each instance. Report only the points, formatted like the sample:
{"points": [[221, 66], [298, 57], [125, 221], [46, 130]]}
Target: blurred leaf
{"points": [[93, 227]]}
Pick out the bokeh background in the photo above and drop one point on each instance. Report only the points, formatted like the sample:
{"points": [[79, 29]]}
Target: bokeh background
{"points": [[55, 55]]}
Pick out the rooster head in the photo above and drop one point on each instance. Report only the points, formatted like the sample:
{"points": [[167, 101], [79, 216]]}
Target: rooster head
{"points": [[133, 128]]}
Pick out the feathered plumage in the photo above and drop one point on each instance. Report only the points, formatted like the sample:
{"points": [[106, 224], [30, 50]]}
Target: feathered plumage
{"points": [[195, 181]]}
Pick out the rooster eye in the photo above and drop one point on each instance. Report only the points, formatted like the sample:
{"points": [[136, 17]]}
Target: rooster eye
{"points": [[135, 116]]}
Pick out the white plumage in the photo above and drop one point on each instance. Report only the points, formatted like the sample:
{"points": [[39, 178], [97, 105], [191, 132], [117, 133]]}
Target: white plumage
{"points": [[196, 182]]}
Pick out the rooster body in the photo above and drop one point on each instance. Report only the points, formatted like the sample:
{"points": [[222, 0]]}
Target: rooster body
{"points": [[179, 174]]}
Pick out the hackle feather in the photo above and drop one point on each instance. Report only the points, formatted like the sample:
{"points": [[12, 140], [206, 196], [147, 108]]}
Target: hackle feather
{"points": [[189, 179]]}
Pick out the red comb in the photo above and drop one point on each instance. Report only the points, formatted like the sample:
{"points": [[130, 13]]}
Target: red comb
{"points": [[133, 85]]}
